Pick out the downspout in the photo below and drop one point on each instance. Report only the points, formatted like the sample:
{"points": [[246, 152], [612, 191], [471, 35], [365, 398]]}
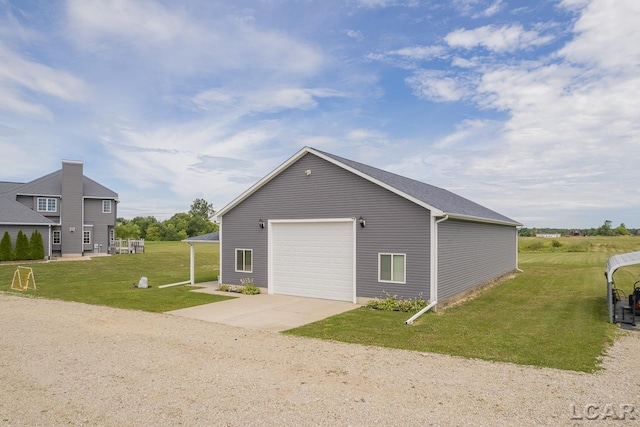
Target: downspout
{"points": [[518, 252], [50, 244], [434, 273]]}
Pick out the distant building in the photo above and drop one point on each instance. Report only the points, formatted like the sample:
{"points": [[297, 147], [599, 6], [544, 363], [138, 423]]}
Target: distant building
{"points": [[74, 214], [548, 235]]}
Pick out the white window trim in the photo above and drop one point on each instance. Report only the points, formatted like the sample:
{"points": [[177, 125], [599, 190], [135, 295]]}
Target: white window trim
{"points": [[84, 233], [104, 203], [404, 257], [53, 238], [46, 209], [235, 256]]}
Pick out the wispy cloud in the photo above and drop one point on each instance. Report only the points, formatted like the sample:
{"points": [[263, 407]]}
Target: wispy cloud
{"points": [[507, 38], [23, 83]]}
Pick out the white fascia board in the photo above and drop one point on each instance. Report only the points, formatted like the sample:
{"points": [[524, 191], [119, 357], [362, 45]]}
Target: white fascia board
{"points": [[435, 211], [481, 219], [255, 187]]}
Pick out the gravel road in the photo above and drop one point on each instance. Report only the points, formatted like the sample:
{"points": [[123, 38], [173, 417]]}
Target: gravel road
{"points": [[76, 364]]}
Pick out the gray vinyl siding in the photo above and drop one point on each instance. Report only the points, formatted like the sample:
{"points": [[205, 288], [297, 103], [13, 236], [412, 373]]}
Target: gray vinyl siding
{"points": [[393, 224], [101, 222], [471, 253], [71, 208]]}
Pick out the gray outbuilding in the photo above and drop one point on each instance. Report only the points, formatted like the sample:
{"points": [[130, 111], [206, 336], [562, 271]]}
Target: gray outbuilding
{"points": [[324, 226]]}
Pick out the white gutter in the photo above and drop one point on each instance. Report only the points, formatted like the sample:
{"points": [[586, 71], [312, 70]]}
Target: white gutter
{"points": [[434, 269]]}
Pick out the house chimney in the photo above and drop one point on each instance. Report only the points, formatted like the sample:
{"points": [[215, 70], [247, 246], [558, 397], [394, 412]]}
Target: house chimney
{"points": [[71, 208]]}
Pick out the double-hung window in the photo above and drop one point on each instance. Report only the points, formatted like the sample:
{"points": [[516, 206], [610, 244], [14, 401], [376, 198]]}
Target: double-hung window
{"points": [[106, 206], [244, 260], [392, 268], [46, 204]]}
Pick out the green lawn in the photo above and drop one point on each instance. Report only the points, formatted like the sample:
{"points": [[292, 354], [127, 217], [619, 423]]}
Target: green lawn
{"points": [[554, 314], [109, 280]]}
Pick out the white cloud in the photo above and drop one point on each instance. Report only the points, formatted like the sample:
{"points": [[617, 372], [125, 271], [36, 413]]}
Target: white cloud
{"points": [[606, 36], [182, 44], [437, 86], [507, 38], [418, 52], [23, 83], [263, 100], [356, 35]]}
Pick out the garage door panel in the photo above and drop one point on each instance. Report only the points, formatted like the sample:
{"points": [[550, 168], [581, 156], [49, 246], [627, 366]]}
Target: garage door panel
{"points": [[313, 259]]}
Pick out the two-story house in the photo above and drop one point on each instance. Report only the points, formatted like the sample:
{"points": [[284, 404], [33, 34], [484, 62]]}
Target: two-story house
{"points": [[75, 215]]}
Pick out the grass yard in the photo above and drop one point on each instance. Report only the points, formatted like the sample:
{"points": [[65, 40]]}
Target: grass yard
{"points": [[554, 314], [109, 280]]}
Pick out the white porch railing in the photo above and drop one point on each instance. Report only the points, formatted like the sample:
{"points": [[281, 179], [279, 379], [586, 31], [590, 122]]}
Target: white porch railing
{"points": [[128, 246]]}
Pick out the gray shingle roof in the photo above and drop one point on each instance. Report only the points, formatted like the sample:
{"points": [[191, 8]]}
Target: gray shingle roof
{"points": [[6, 187], [12, 212], [437, 197], [51, 185], [204, 238]]}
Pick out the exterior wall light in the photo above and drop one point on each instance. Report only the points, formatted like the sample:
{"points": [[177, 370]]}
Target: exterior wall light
{"points": [[362, 222], [260, 223]]}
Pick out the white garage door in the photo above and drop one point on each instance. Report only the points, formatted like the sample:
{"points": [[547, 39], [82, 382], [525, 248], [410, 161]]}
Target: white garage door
{"points": [[313, 259]]}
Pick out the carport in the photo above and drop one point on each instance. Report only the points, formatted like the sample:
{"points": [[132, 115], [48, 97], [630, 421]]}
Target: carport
{"points": [[210, 238], [614, 302]]}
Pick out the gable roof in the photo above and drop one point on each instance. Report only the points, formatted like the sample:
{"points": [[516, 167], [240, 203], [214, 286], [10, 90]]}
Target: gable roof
{"points": [[439, 201], [12, 212], [51, 185]]}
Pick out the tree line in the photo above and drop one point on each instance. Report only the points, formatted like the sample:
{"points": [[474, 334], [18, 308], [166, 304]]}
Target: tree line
{"points": [[179, 227], [605, 229]]}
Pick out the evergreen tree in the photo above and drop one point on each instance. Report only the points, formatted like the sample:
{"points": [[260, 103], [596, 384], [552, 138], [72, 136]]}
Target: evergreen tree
{"points": [[6, 250], [36, 245], [22, 247]]}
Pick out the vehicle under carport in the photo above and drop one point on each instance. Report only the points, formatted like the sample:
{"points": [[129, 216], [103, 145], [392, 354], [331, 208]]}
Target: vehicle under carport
{"points": [[622, 308]]}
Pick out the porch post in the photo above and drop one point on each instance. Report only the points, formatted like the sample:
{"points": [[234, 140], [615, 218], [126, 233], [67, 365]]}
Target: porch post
{"points": [[192, 264]]}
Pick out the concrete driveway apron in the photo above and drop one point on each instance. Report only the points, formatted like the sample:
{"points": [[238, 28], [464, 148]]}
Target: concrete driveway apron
{"points": [[265, 312]]}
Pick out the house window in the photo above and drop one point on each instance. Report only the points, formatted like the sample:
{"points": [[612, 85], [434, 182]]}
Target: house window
{"points": [[56, 237], [392, 268], [86, 237], [46, 204], [106, 206], [244, 260]]}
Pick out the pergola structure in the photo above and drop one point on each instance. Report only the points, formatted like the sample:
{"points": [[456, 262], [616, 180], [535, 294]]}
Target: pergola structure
{"points": [[210, 238], [614, 263]]}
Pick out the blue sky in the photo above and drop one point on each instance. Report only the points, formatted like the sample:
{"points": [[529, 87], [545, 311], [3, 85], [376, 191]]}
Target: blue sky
{"points": [[529, 108]]}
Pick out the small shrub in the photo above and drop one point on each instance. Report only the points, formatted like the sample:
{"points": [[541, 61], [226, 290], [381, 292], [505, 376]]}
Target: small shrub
{"points": [[248, 288], [223, 288], [555, 244], [392, 303]]}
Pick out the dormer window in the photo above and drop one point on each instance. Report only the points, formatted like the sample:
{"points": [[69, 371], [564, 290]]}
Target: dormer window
{"points": [[46, 204]]}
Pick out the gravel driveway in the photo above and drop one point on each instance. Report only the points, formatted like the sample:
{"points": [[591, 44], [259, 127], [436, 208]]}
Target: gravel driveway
{"points": [[77, 364]]}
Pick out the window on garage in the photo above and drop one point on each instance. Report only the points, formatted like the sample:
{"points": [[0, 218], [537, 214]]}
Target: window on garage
{"points": [[392, 268], [244, 260]]}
